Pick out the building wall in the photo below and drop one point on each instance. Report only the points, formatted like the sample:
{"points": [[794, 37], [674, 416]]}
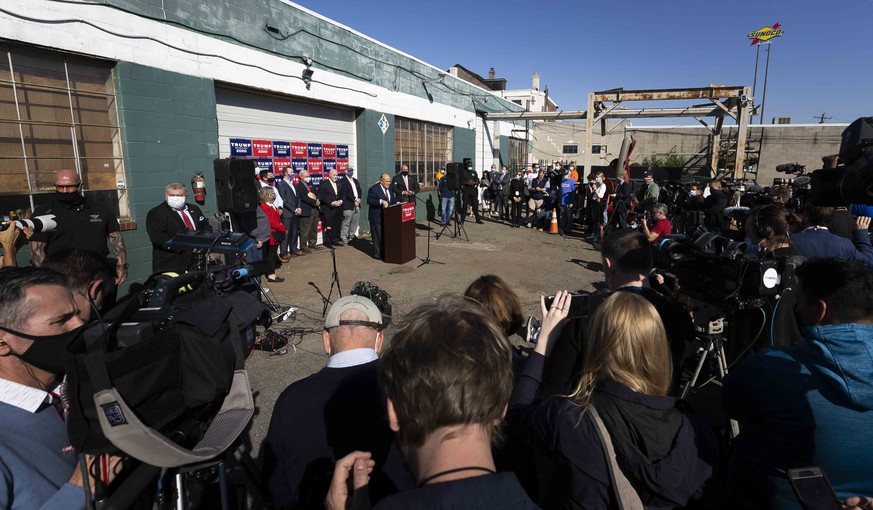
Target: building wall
{"points": [[791, 143], [169, 131]]}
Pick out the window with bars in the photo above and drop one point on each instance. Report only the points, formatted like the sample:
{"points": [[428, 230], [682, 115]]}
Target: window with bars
{"points": [[57, 111], [517, 153], [423, 146]]}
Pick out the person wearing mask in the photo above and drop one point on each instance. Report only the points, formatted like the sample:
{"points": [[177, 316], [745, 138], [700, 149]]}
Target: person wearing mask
{"points": [[379, 197], [566, 202], [404, 185], [695, 199], [597, 192], [447, 200], [621, 198], [470, 193], [267, 179], [500, 192], [290, 215], [331, 210], [350, 192], [89, 278], [648, 194], [38, 319], [485, 195], [308, 213], [714, 206], [81, 223], [516, 198], [270, 246], [164, 221], [538, 189], [661, 225]]}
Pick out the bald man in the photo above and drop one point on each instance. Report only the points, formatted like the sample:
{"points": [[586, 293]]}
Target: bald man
{"points": [[83, 223], [379, 196]]}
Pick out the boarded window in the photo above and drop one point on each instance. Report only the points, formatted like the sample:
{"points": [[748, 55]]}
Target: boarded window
{"points": [[423, 146]]}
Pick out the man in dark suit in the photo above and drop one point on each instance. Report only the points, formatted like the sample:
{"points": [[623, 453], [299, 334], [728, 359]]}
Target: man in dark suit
{"points": [[333, 412], [308, 219], [350, 192], [331, 210], [290, 216], [379, 196], [404, 185], [174, 215]]}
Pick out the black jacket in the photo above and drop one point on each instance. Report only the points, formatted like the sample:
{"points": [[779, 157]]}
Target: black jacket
{"points": [[162, 223]]}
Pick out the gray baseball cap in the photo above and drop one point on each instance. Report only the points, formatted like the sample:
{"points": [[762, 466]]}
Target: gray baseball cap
{"points": [[374, 316]]}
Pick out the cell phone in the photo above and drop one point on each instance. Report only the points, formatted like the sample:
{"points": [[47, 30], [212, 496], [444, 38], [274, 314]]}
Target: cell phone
{"points": [[578, 304], [813, 489]]}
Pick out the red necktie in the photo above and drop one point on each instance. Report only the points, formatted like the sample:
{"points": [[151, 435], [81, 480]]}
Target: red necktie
{"points": [[187, 220]]}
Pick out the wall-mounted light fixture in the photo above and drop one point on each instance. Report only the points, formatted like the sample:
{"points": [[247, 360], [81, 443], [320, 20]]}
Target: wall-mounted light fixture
{"points": [[307, 73]]}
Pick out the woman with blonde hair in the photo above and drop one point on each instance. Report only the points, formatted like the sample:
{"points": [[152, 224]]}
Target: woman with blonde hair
{"points": [[618, 440]]}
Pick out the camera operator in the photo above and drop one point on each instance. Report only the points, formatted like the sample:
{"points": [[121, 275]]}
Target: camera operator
{"points": [[714, 206], [661, 225], [815, 241], [88, 277], [38, 318]]}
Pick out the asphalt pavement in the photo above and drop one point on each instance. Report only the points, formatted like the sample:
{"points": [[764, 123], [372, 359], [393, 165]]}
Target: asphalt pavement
{"points": [[534, 263]]}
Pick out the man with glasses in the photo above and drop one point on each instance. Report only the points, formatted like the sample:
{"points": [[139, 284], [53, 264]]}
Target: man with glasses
{"points": [[661, 226], [82, 223], [167, 219]]}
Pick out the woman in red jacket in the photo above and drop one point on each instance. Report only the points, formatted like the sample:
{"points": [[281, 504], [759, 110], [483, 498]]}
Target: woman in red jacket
{"points": [[277, 230]]}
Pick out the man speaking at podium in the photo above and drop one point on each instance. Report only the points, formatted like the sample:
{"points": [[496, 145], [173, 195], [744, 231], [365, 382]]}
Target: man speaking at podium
{"points": [[379, 196]]}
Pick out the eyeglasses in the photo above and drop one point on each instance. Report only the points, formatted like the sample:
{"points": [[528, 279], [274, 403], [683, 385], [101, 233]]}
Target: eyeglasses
{"points": [[67, 188]]}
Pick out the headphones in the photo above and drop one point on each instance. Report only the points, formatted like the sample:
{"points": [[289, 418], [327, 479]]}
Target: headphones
{"points": [[763, 231]]}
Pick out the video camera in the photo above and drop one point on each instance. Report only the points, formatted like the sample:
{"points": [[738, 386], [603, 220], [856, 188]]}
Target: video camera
{"points": [[851, 183], [717, 269]]}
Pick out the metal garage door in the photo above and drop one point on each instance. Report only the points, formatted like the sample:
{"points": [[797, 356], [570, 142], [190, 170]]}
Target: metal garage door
{"points": [[270, 124]]}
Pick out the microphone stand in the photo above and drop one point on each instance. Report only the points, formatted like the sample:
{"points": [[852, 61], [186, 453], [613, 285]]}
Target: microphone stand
{"points": [[427, 259]]}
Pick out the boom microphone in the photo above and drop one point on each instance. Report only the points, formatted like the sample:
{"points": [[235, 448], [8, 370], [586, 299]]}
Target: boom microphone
{"points": [[252, 270]]}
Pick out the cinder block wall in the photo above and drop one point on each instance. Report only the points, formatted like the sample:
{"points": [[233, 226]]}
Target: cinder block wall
{"points": [[169, 132]]}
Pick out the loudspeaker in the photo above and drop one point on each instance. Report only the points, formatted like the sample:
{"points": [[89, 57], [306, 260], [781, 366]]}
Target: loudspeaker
{"points": [[236, 190], [454, 171]]}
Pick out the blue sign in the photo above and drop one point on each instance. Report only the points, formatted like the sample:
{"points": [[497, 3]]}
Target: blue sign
{"points": [[342, 152], [314, 150], [281, 149], [240, 148]]}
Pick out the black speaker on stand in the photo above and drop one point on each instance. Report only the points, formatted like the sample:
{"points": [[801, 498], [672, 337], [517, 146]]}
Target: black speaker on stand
{"points": [[236, 190]]}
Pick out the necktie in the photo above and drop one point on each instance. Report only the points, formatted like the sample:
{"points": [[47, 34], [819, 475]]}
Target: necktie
{"points": [[386, 194], [406, 182], [185, 219]]}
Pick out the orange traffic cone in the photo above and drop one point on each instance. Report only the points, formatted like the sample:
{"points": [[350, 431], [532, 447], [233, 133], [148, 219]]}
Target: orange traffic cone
{"points": [[553, 228]]}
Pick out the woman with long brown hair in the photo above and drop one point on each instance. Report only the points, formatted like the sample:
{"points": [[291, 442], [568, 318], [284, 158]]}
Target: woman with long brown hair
{"points": [[662, 454]]}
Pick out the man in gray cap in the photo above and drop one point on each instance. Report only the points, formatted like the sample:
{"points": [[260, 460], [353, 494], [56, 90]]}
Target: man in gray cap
{"points": [[333, 412]]}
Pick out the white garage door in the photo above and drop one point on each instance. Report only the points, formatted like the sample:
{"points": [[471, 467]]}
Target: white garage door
{"points": [[250, 116]]}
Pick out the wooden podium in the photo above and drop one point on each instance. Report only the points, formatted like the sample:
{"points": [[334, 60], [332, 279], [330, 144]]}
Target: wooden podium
{"points": [[398, 233]]}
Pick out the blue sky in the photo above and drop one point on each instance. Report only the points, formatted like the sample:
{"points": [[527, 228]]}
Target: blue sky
{"points": [[822, 64]]}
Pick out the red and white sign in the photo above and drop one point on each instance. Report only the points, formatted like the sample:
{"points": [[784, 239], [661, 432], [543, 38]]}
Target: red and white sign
{"points": [[328, 151], [299, 150], [262, 148], [408, 212]]}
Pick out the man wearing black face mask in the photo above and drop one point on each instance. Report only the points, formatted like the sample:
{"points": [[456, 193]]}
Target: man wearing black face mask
{"points": [[82, 223], [808, 405], [405, 185], [38, 318]]}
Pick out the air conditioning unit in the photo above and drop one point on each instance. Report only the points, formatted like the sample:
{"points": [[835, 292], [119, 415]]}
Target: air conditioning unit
{"points": [[781, 120]]}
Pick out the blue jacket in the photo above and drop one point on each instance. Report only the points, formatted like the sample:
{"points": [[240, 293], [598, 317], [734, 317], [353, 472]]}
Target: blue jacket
{"points": [[568, 191], [818, 242], [809, 405]]}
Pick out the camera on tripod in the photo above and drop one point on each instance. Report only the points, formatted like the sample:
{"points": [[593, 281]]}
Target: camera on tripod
{"points": [[852, 182], [716, 269]]}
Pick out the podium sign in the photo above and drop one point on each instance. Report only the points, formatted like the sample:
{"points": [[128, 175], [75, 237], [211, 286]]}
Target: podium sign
{"points": [[398, 233]]}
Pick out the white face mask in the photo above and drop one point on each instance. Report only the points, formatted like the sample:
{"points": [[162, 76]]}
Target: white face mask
{"points": [[176, 202]]}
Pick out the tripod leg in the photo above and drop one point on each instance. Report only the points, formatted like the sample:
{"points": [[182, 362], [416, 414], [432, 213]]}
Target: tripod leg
{"points": [[690, 384]]}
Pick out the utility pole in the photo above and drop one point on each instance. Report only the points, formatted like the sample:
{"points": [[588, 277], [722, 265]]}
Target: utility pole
{"points": [[821, 118]]}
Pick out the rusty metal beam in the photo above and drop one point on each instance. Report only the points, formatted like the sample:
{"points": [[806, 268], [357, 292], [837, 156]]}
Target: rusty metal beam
{"points": [[668, 94], [568, 115], [716, 145], [632, 113]]}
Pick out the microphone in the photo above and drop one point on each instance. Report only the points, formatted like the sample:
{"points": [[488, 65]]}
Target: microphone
{"points": [[252, 270]]}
